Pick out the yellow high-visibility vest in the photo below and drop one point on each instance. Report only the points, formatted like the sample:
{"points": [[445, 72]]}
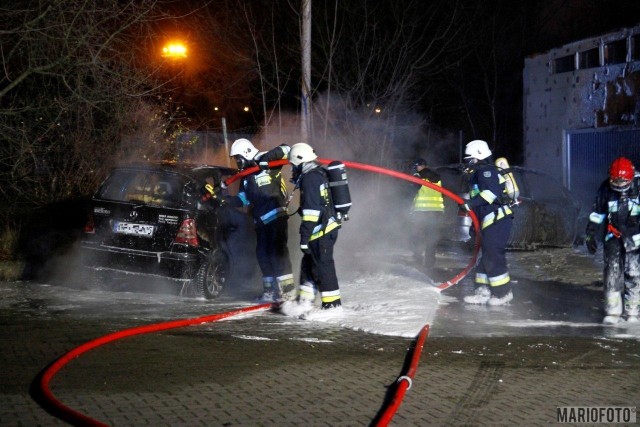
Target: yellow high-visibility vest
{"points": [[428, 199]]}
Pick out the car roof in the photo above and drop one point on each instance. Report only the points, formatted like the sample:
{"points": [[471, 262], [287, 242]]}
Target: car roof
{"points": [[189, 169]]}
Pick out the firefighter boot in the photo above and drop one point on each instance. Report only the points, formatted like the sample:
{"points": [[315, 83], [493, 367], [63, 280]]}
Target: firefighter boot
{"points": [[613, 307], [632, 304], [503, 300], [304, 302], [286, 287], [481, 295], [269, 290]]}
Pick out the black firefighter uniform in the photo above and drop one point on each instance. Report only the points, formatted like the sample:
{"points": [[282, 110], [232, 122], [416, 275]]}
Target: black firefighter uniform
{"points": [[266, 193], [318, 235], [486, 201]]}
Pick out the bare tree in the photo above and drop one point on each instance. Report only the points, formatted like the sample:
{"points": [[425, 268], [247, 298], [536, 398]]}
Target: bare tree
{"points": [[369, 64], [376, 56], [77, 81], [488, 79]]}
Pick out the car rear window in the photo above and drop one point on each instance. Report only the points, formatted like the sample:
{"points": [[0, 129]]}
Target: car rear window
{"points": [[144, 186]]}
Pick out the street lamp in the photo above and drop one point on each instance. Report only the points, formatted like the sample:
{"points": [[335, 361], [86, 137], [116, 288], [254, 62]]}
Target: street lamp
{"points": [[174, 50]]}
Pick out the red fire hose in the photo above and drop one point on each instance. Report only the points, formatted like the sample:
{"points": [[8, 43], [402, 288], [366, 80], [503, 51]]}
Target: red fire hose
{"points": [[399, 175], [74, 417], [404, 382]]}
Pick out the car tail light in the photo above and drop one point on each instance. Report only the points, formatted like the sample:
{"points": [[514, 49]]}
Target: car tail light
{"points": [[90, 226], [187, 233]]}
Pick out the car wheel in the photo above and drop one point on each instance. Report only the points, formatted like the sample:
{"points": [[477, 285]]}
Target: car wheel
{"points": [[211, 275]]}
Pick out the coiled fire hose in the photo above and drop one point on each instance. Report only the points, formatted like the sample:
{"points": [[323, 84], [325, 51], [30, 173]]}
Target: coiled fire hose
{"points": [[404, 382]]}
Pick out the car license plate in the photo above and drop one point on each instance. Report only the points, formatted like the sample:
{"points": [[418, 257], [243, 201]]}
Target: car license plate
{"points": [[133, 229]]}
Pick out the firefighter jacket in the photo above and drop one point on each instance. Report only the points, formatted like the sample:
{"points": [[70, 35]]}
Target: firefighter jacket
{"points": [[265, 191], [427, 199], [616, 215], [316, 206], [487, 186]]}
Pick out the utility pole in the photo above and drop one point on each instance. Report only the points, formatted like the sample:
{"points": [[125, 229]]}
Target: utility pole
{"points": [[226, 145], [305, 117]]}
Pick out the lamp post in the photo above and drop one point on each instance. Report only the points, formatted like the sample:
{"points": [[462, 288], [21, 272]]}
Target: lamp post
{"points": [[175, 54]]}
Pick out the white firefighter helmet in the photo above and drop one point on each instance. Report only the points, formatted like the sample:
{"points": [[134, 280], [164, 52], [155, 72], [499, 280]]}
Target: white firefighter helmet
{"points": [[243, 147], [477, 149], [301, 153]]}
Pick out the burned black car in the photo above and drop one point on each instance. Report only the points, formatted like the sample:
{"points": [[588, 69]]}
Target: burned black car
{"points": [[149, 220]]}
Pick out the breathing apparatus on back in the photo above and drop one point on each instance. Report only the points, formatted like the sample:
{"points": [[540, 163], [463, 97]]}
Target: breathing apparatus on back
{"points": [[336, 172], [478, 151], [511, 189]]}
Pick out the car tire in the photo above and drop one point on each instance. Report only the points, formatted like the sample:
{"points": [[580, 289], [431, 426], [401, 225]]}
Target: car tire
{"points": [[211, 276]]}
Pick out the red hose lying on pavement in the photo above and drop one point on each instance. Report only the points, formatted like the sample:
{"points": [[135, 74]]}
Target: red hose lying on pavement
{"points": [[74, 417], [399, 175], [404, 382]]}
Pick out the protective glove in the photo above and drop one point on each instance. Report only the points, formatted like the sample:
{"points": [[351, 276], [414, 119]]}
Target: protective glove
{"points": [[464, 207], [592, 245], [263, 166], [305, 249]]}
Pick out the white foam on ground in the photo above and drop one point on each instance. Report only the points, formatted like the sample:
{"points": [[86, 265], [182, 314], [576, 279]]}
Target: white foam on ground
{"points": [[386, 305]]}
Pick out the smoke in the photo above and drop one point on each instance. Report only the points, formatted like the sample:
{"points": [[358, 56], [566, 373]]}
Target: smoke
{"points": [[379, 224]]}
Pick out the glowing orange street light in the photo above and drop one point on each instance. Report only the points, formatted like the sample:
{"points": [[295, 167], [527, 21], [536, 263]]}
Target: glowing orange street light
{"points": [[175, 50]]}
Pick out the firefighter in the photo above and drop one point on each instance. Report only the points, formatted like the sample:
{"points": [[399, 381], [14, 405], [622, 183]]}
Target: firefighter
{"points": [[266, 193], [318, 235], [426, 214], [615, 220], [488, 202]]}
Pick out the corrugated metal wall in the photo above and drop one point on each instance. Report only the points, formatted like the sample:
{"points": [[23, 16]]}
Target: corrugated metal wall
{"points": [[588, 156]]}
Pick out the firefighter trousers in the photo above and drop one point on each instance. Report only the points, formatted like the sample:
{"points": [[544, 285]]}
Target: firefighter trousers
{"points": [[492, 269], [622, 274], [271, 249], [426, 234], [318, 267]]}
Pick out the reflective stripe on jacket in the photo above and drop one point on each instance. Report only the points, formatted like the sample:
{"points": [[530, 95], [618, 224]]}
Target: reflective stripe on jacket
{"points": [[428, 200]]}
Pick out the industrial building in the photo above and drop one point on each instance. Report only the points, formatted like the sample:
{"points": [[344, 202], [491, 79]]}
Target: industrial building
{"points": [[582, 110]]}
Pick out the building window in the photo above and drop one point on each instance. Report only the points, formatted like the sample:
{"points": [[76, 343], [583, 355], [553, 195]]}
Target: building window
{"points": [[635, 47], [590, 58], [615, 52], [565, 64]]}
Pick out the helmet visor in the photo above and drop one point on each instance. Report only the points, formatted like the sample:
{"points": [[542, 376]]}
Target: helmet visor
{"points": [[620, 184], [241, 161]]}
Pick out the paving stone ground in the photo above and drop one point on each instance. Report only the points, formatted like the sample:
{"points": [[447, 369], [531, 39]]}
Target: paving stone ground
{"points": [[261, 371]]}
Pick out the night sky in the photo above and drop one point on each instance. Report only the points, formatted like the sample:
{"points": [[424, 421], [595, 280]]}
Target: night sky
{"points": [[494, 38]]}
